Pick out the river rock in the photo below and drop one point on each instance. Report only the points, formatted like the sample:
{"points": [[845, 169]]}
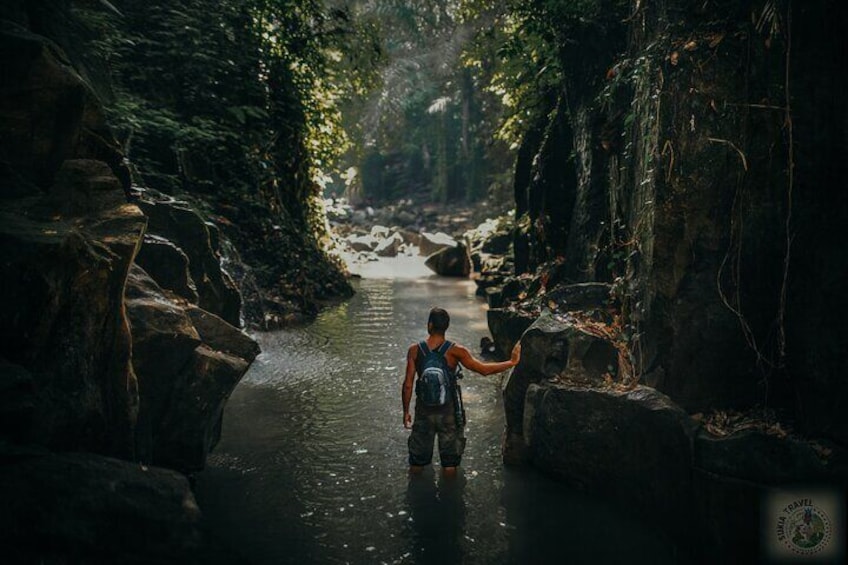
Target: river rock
{"points": [[380, 232], [63, 317], [192, 426], [359, 218], [488, 280], [179, 223], [551, 348], [633, 447], [164, 340], [182, 388], [168, 266], [410, 237], [494, 296], [506, 327], [390, 246], [429, 243], [498, 243], [450, 262], [363, 243], [217, 334], [513, 287], [85, 508], [405, 218]]}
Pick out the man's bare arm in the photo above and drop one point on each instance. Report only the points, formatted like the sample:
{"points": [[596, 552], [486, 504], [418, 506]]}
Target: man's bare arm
{"points": [[406, 389], [473, 364]]}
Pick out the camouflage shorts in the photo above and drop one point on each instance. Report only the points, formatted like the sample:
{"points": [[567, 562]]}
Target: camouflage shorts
{"points": [[451, 438]]}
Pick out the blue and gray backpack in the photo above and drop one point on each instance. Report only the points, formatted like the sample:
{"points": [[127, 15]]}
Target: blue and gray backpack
{"points": [[434, 376]]}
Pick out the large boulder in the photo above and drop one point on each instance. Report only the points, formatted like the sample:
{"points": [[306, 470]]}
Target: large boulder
{"points": [[363, 242], [168, 266], [552, 348], [177, 222], [631, 446], [61, 300], [507, 327], [192, 426], [389, 246], [217, 334], [380, 232], [187, 361], [85, 508], [450, 262], [498, 243], [409, 236], [429, 243], [164, 340]]}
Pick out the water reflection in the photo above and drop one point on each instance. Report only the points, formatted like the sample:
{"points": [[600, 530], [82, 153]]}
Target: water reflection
{"points": [[312, 465], [437, 508]]}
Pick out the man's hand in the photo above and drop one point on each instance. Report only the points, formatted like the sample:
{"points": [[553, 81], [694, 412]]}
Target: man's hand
{"points": [[407, 420], [516, 354]]}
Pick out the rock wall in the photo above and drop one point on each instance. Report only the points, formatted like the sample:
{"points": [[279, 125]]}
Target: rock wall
{"points": [[705, 189], [97, 356], [709, 204]]}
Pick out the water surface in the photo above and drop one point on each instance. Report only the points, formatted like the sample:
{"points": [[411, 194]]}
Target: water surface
{"points": [[312, 464]]}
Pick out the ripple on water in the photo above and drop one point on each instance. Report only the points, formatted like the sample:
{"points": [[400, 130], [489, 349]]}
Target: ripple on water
{"points": [[311, 467]]}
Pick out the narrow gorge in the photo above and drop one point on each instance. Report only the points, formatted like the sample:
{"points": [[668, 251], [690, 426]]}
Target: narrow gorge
{"points": [[260, 200]]}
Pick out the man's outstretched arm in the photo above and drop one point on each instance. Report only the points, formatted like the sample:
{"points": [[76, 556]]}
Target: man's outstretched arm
{"points": [[406, 389], [473, 364]]}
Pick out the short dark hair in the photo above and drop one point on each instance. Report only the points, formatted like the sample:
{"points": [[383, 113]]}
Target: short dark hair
{"points": [[438, 321]]}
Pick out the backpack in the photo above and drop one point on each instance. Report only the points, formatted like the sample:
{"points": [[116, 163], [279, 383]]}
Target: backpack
{"points": [[434, 376]]}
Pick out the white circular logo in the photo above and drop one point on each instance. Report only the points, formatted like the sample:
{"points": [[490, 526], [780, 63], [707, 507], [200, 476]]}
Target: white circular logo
{"points": [[804, 529]]}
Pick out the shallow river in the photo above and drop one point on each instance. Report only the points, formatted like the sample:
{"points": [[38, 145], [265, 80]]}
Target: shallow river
{"points": [[312, 464]]}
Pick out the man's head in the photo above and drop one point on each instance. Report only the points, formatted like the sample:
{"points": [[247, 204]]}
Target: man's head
{"points": [[438, 321]]}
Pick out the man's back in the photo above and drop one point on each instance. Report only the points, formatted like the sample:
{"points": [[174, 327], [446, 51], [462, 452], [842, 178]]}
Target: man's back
{"points": [[441, 419]]}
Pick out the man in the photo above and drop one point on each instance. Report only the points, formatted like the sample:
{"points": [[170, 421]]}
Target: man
{"points": [[440, 420]]}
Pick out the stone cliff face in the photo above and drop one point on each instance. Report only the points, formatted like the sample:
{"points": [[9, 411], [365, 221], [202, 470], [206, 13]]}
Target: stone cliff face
{"points": [[675, 170], [121, 335], [698, 172]]}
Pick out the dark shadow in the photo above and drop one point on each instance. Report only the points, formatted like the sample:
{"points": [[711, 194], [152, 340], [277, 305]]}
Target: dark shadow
{"points": [[546, 518], [437, 512]]}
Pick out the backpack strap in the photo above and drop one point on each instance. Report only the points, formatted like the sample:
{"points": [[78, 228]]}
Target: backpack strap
{"points": [[443, 349], [422, 345]]}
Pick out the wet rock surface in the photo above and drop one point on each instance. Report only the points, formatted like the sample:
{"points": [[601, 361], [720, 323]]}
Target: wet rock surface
{"points": [[178, 223], [637, 447], [168, 265], [86, 508], [450, 261], [62, 301], [551, 349], [506, 327], [632, 446], [97, 357]]}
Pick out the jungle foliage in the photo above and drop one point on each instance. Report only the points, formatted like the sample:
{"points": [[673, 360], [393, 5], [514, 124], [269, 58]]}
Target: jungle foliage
{"points": [[235, 98]]}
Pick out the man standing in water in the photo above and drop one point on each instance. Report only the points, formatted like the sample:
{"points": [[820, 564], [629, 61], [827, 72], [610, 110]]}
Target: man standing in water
{"points": [[440, 420]]}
